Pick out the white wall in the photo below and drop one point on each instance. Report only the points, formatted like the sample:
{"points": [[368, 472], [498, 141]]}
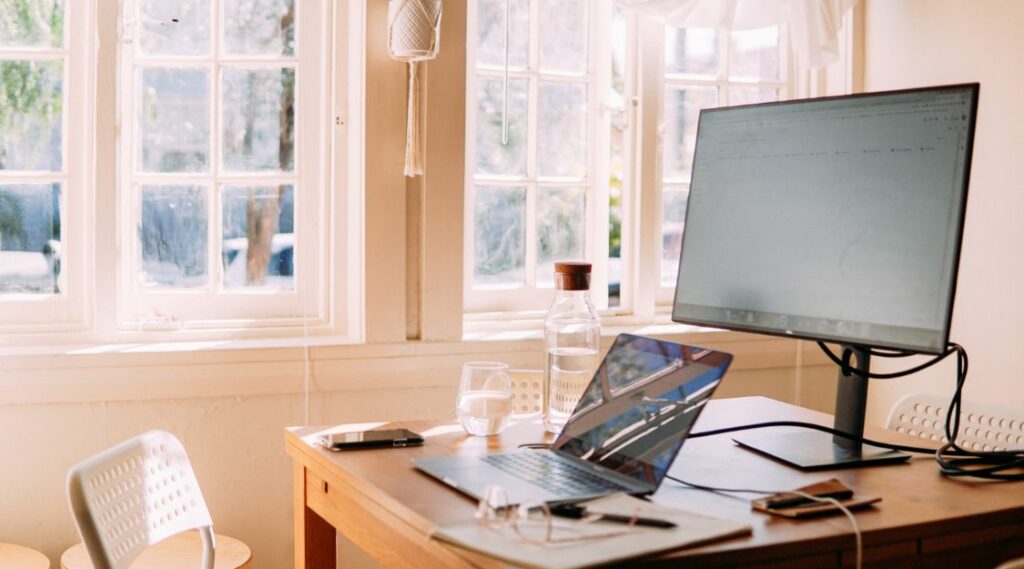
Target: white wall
{"points": [[912, 43], [236, 445], [232, 422]]}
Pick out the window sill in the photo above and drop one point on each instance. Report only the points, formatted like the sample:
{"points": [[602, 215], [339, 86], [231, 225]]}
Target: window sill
{"points": [[177, 370], [530, 326]]}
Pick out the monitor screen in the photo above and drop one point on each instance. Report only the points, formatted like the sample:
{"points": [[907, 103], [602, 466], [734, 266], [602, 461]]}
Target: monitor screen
{"points": [[834, 219], [640, 405]]}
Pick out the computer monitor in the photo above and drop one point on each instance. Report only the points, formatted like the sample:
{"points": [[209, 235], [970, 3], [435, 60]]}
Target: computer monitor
{"points": [[836, 219]]}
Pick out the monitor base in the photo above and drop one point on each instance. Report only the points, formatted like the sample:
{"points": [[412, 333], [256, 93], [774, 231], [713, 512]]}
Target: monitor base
{"points": [[815, 450]]}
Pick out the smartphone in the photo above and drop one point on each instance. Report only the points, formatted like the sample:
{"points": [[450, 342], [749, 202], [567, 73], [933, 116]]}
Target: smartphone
{"points": [[372, 439]]}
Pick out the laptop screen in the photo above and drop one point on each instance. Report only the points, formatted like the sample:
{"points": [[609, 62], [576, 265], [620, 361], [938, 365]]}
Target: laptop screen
{"points": [[640, 406]]}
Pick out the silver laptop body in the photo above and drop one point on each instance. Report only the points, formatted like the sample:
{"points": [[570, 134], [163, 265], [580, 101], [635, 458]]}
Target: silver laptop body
{"points": [[623, 436]]}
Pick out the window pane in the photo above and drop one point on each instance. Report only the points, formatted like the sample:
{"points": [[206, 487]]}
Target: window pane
{"points": [[744, 95], [259, 119], [172, 234], [563, 36], [174, 120], [30, 242], [493, 157], [561, 229], [31, 103], [691, 51], [32, 23], [499, 236], [562, 130], [490, 30], [754, 54], [259, 237], [682, 109], [259, 27], [174, 28], [673, 210]]}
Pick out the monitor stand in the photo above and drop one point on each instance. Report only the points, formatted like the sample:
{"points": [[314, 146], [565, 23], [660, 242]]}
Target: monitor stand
{"points": [[815, 450]]}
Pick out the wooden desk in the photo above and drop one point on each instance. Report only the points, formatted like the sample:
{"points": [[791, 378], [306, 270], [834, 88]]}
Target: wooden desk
{"points": [[377, 500]]}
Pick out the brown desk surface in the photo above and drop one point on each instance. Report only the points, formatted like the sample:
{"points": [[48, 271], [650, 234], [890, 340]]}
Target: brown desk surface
{"points": [[378, 500]]}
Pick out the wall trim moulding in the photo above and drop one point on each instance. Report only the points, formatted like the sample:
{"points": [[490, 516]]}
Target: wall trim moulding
{"points": [[88, 376]]}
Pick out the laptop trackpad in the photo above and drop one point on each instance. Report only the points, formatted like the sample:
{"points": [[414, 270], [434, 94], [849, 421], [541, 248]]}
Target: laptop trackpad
{"points": [[472, 476]]}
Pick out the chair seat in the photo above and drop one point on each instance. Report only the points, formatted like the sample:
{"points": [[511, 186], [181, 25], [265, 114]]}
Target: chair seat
{"points": [[182, 551], [20, 557]]}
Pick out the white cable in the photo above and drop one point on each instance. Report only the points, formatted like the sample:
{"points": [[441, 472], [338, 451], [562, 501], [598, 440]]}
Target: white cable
{"points": [[846, 511], [727, 492], [306, 368], [305, 365]]}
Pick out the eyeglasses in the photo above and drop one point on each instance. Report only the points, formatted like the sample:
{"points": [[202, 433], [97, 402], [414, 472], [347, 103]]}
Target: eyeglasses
{"points": [[495, 513]]}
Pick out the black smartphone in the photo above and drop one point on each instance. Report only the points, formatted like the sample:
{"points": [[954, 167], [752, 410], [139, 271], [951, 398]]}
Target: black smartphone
{"points": [[372, 439]]}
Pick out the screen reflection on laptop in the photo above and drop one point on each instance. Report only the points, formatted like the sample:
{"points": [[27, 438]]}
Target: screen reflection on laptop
{"points": [[642, 402]]}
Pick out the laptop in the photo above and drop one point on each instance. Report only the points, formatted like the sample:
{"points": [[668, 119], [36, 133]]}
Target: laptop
{"points": [[622, 437]]}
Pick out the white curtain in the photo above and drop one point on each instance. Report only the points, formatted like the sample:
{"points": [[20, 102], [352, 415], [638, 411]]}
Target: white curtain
{"points": [[813, 25]]}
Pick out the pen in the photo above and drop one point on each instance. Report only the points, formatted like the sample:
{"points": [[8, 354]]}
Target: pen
{"points": [[578, 512]]}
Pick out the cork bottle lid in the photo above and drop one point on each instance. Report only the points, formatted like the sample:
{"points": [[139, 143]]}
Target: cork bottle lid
{"points": [[572, 275], [572, 268]]}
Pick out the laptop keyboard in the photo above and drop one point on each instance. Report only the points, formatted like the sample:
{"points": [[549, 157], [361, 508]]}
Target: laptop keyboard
{"points": [[551, 473]]}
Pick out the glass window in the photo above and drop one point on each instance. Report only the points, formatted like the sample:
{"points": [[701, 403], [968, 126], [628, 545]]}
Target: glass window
{"points": [[706, 68], [33, 170], [222, 204], [534, 179]]}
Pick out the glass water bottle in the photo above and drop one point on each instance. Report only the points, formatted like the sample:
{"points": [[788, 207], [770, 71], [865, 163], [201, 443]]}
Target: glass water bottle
{"points": [[572, 335]]}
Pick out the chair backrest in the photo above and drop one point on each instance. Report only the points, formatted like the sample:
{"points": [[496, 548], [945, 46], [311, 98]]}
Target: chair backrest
{"points": [[527, 390], [135, 495], [982, 427]]}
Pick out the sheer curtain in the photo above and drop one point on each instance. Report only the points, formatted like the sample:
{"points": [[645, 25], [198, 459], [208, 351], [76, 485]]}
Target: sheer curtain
{"points": [[813, 24]]}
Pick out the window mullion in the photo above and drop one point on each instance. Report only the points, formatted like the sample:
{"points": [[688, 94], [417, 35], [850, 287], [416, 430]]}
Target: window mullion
{"points": [[532, 144], [599, 114], [532, 198], [647, 209], [213, 229]]}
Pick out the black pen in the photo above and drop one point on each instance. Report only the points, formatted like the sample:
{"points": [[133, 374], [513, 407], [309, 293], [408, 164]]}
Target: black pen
{"points": [[579, 512]]}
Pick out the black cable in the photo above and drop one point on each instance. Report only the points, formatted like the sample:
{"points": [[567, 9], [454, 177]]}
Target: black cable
{"points": [[987, 465], [847, 370], [717, 489], [822, 428], [954, 460]]}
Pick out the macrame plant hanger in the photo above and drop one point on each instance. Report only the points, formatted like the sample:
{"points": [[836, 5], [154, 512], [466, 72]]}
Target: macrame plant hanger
{"points": [[414, 35]]}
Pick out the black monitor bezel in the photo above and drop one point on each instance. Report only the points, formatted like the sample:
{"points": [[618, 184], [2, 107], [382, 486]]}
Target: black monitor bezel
{"points": [[974, 89]]}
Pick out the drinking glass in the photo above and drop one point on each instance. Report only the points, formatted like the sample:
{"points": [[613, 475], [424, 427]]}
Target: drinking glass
{"points": [[485, 398]]}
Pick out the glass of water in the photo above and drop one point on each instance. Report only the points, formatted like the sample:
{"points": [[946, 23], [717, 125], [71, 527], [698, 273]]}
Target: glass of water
{"points": [[485, 399]]}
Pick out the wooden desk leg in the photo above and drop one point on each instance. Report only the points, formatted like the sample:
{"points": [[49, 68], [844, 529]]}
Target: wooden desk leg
{"points": [[316, 542]]}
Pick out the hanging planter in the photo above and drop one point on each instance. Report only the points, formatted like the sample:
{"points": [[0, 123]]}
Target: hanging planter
{"points": [[414, 35]]}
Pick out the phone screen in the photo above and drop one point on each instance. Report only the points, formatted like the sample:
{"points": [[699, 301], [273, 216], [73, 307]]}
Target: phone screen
{"points": [[367, 436], [383, 437]]}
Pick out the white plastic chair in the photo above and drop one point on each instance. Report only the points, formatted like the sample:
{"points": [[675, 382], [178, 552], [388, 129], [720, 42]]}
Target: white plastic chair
{"points": [[982, 427], [527, 391], [135, 495]]}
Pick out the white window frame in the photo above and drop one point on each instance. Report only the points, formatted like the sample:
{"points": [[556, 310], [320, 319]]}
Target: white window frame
{"points": [[68, 310], [641, 291], [528, 296], [91, 313], [721, 82], [309, 303]]}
